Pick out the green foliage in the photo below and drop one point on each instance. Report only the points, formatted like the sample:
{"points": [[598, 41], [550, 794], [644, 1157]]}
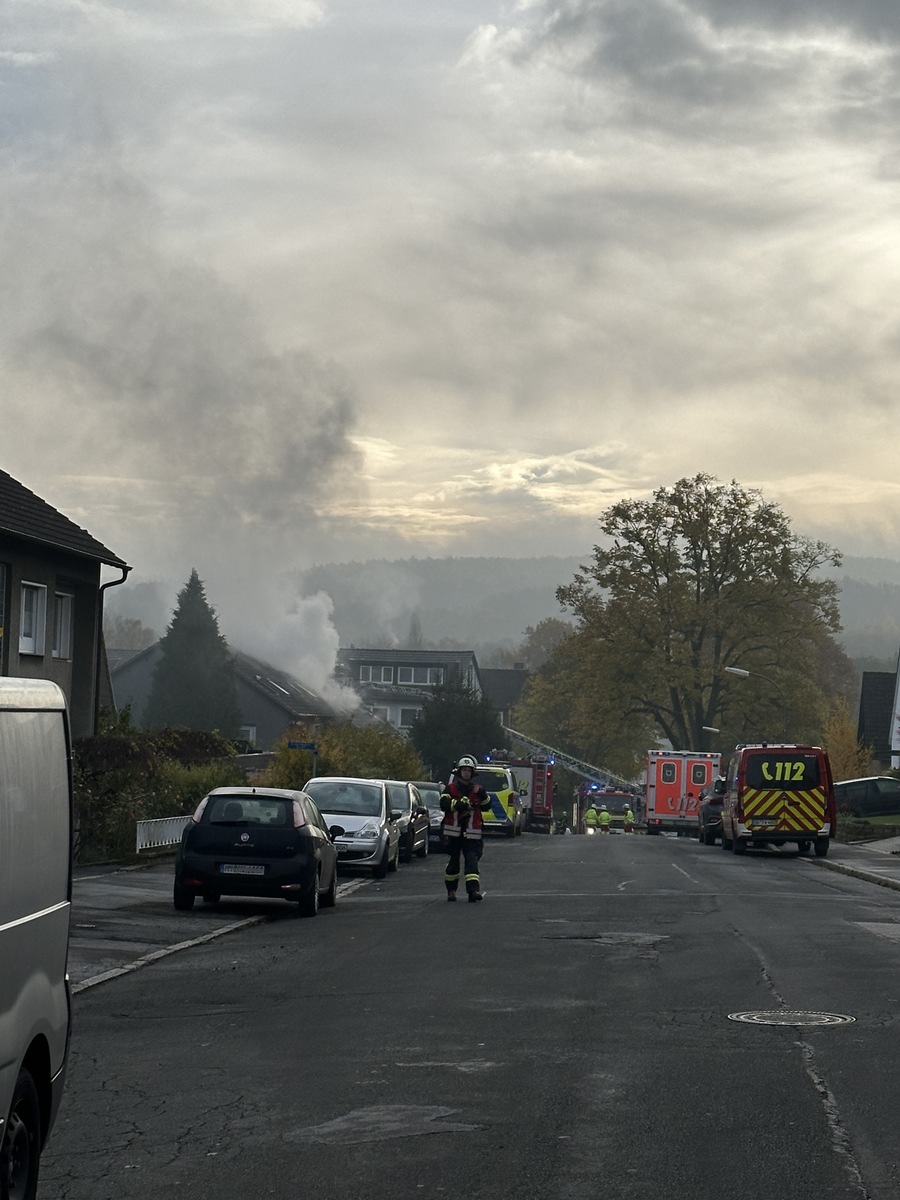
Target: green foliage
{"points": [[567, 705], [701, 577], [455, 721], [127, 775], [194, 683], [370, 752], [849, 758]]}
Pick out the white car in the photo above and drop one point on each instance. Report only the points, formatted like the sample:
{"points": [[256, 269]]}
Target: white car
{"points": [[360, 808]]}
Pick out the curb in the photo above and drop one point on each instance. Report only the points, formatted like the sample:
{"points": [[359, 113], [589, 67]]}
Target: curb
{"points": [[856, 873]]}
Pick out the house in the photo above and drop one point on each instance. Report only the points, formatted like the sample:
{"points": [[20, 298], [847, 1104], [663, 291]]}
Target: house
{"points": [[395, 684], [51, 601], [271, 701], [504, 688], [876, 714]]}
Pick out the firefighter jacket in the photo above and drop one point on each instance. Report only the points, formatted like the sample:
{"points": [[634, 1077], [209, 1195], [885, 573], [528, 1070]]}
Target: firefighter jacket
{"points": [[462, 805], [604, 819], [591, 817]]}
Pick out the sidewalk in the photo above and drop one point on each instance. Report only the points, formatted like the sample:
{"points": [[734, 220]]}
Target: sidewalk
{"points": [[875, 862]]}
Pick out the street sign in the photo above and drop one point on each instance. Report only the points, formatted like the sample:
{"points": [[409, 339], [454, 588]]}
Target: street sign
{"points": [[301, 745]]}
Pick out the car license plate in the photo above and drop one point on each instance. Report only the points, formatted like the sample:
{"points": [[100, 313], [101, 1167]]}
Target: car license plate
{"points": [[764, 821], [242, 869]]}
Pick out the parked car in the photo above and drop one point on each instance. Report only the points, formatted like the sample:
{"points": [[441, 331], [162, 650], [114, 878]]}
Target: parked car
{"points": [[873, 796], [507, 813], [413, 825], [369, 834], [254, 841], [431, 798], [709, 813]]}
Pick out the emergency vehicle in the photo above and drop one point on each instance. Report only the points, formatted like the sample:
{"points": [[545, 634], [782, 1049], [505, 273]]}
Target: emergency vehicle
{"points": [[616, 802], [675, 779], [526, 795], [778, 794]]}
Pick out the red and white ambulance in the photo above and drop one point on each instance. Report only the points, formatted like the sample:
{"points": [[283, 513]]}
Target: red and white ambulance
{"points": [[675, 779]]}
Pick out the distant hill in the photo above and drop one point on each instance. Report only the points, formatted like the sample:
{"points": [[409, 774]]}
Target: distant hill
{"points": [[484, 603], [473, 601]]}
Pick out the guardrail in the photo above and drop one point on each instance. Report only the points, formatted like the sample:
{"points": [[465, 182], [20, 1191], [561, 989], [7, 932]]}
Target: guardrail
{"points": [[159, 833]]}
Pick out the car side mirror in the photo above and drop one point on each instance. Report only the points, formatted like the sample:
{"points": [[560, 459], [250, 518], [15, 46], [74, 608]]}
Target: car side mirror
{"points": [[335, 831], [397, 814], [719, 789], [421, 811]]}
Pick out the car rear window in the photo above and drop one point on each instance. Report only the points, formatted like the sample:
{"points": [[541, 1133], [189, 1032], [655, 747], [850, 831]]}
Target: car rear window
{"points": [[790, 772], [353, 799], [493, 781], [248, 810]]}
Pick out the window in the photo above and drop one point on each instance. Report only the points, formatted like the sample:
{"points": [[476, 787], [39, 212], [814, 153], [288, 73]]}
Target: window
{"points": [[387, 674], [365, 674], [668, 772], [407, 717], [62, 625], [698, 774], [423, 675], [33, 619], [382, 714]]}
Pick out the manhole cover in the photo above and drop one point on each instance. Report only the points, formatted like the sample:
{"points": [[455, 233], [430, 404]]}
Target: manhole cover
{"points": [[791, 1017]]}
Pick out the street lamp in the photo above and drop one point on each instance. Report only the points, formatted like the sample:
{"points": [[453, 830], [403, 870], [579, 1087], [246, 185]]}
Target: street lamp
{"points": [[758, 674]]}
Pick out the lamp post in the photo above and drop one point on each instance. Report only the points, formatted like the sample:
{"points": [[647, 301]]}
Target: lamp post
{"points": [[758, 675]]}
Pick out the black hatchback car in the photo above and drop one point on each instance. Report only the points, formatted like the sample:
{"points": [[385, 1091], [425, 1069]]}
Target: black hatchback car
{"points": [[255, 841], [413, 824]]}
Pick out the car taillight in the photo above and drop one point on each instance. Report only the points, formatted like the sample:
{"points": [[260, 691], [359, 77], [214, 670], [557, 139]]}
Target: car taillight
{"points": [[198, 812], [299, 819]]}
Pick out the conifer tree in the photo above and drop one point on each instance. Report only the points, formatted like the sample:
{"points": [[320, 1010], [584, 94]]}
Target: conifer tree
{"points": [[194, 684]]}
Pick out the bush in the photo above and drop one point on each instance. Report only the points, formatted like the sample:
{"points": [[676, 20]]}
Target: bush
{"points": [[124, 775]]}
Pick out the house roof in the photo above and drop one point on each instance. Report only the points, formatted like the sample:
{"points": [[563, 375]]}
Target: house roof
{"points": [[283, 689], [26, 515], [876, 711]]}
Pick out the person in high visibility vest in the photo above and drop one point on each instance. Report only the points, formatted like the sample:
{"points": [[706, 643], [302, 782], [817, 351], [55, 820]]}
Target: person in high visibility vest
{"points": [[628, 820], [462, 804], [591, 819], [603, 818]]}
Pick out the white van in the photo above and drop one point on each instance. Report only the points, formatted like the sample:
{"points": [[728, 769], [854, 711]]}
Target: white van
{"points": [[35, 897]]}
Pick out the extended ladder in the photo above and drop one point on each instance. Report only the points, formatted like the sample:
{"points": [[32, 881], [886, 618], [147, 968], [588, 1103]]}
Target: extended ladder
{"points": [[586, 770]]}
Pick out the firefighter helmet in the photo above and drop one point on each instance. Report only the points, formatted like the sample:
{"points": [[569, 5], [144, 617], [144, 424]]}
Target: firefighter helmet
{"points": [[467, 761]]}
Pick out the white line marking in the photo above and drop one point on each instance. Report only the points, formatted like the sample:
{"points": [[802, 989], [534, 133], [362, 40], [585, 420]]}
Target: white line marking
{"points": [[685, 874]]}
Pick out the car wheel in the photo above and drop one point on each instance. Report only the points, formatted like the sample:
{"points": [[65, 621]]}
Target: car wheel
{"points": [[329, 898], [738, 846], [803, 847], [309, 904], [422, 851], [726, 845], [21, 1146], [395, 861], [821, 847], [408, 843], [183, 898], [381, 869]]}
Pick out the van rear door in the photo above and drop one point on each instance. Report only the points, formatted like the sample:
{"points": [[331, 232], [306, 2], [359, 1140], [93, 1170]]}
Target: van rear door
{"points": [[785, 791]]}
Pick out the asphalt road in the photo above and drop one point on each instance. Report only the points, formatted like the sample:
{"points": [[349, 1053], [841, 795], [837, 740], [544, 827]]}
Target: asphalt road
{"points": [[570, 1038]]}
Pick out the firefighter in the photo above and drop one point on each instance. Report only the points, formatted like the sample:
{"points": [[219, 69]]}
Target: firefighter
{"points": [[628, 819], [592, 818], [463, 803], [604, 818]]}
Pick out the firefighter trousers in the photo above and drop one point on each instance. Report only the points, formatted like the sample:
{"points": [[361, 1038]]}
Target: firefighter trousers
{"points": [[469, 850]]}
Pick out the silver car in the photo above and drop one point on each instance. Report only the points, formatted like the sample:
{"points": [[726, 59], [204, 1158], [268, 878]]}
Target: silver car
{"points": [[360, 808]]}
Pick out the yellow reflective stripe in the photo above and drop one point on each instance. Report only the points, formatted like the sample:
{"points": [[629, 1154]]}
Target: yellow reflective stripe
{"points": [[472, 878]]}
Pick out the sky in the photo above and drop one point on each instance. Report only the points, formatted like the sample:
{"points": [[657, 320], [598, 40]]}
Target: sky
{"points": [[301, 281]]}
